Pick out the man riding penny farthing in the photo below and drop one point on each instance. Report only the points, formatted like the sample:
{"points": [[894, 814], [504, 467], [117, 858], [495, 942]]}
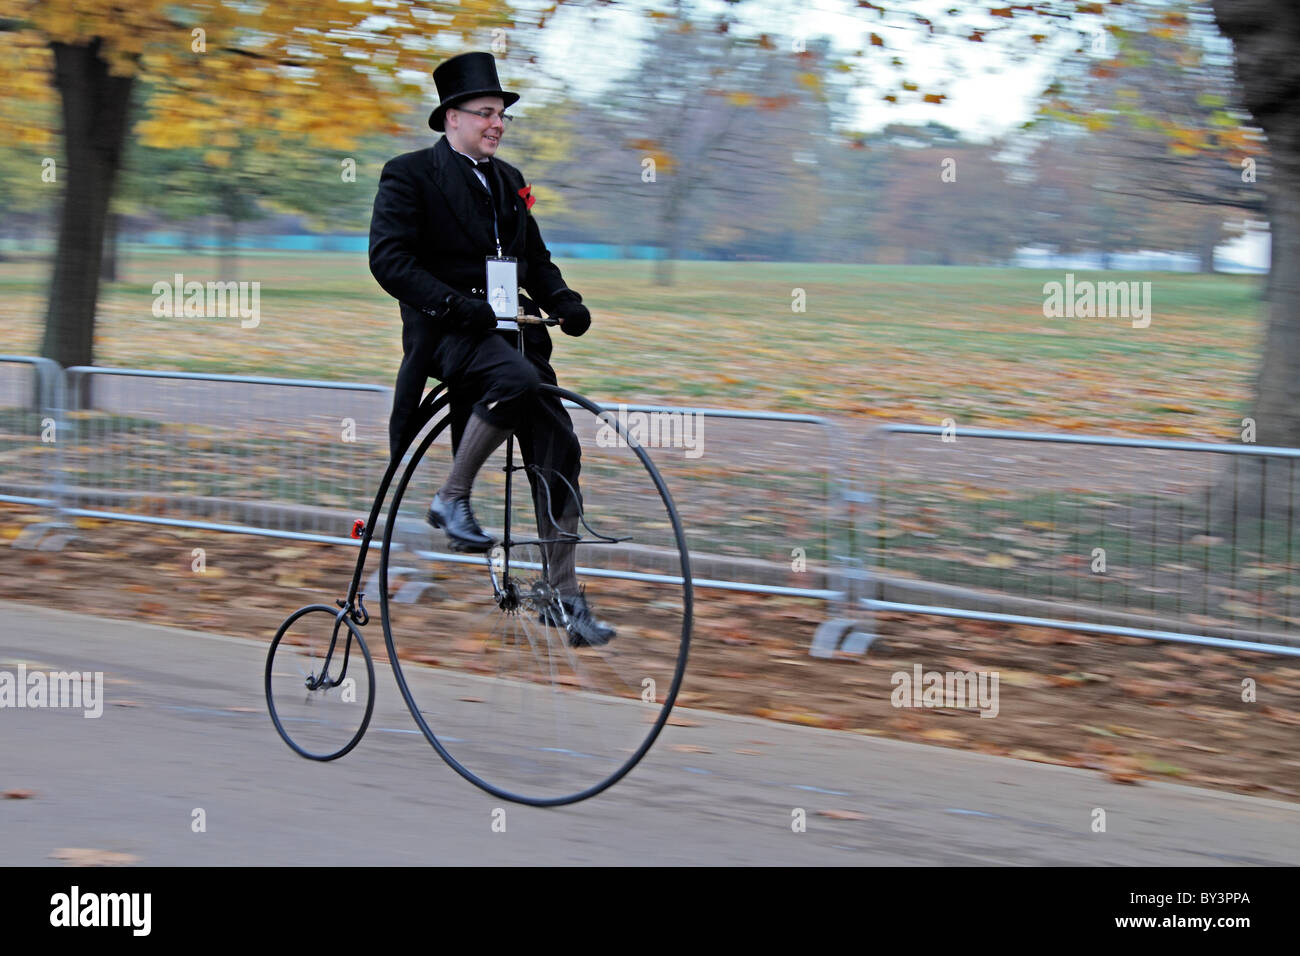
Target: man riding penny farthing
{"points": [[449, 223], [493, 638]]}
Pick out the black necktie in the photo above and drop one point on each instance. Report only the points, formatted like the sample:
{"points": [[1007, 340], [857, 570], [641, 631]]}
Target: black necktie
{"points": [[485, 168], [481, 167]]}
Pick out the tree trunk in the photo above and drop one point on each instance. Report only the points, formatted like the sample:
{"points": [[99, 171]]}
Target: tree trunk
{"points": [[108, 269], [1207, 240], [95, 108], [669, 228], [664, 267], [228, 237], [1266, 38], [1277, 393]]}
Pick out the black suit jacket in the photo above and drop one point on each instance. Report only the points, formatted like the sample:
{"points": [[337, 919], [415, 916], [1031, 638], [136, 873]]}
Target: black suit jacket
{"points": [[430, 232]]}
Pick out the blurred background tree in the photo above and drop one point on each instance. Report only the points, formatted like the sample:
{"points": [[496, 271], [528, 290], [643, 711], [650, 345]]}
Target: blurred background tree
{"points": [[1158, 73], [1164, 135], [213, 113], [246, 84]]}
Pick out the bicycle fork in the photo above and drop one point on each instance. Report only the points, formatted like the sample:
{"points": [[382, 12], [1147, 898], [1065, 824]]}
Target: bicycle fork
{"points": [[314, 682]]}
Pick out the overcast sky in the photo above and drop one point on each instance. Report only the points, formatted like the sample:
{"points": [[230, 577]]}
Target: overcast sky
{"points": [[987, 94]]}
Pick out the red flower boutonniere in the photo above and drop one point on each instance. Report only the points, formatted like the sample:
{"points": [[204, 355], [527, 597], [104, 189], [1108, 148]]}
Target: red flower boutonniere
{"points": [[529, 198]]}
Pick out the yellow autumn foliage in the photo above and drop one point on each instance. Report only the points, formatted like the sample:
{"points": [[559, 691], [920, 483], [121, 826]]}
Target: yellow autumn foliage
{"points": [[225, 75]]}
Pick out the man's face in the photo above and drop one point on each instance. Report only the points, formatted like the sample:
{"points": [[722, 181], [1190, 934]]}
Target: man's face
{"points": [[470, 133]]}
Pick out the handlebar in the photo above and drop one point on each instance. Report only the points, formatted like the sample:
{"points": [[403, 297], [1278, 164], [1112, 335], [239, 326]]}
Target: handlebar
{"points": [[523, 319]]}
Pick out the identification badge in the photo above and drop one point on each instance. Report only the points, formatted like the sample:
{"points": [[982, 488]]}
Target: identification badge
{"points": [[503, 290]]}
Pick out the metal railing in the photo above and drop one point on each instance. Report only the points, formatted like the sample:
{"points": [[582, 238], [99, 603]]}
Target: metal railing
{"points": [[302, 459], [30, 403], [759, 501], [285, 457], [1177, 541]]}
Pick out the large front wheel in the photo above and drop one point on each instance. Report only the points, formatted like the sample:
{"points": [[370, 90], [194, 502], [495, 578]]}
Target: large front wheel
{"points": [[485, 649]]}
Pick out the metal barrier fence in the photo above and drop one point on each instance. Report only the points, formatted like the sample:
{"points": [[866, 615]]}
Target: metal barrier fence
{"points": [[759, 501], [763, 506], [1169, 540], [1177, 541], [30, 403], [302, 459], [286, 457]]}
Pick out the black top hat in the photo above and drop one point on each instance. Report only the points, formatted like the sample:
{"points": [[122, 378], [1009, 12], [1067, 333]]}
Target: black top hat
{"points": [[463, 78]]}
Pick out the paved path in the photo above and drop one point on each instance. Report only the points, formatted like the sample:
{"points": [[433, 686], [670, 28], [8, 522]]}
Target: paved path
{"points": [[185, 727]]}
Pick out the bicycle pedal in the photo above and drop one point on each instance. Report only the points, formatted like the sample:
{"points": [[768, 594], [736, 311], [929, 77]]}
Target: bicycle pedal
{"points": [[466, 548]]}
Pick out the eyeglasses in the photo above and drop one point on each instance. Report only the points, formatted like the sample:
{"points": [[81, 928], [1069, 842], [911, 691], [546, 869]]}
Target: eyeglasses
{"points": [[485, 113]]}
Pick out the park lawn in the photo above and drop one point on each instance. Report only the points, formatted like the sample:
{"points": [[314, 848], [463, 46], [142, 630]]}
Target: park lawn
{"points": [[876, 343]]}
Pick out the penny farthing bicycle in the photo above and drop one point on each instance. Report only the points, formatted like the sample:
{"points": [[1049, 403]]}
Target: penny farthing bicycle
{"points": [[479, 643]]}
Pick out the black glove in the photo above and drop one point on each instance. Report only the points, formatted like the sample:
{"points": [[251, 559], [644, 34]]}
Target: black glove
{"points": [[573, 315], [470, 316]]}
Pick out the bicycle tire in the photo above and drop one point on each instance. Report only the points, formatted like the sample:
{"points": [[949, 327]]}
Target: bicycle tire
{"points": [[320, 713], [587, 664]]}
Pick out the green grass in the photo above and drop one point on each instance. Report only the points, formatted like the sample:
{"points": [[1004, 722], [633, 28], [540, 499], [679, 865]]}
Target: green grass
{"points": [[914, 344]]}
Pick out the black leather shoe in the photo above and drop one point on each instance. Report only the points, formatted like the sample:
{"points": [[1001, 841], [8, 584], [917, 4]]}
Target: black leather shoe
{"points": [[585, 629], [457, 519]]}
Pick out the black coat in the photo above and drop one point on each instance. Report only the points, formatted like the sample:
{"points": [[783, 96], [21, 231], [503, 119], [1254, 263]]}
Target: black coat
{"points": [[430, 232]]}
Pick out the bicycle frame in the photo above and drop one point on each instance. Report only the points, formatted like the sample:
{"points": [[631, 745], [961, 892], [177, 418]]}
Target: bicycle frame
{"points": [[519, 593], [353, 605]]}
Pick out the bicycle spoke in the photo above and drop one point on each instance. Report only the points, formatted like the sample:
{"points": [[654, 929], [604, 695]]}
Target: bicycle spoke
{"points": [[498, 684]]}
